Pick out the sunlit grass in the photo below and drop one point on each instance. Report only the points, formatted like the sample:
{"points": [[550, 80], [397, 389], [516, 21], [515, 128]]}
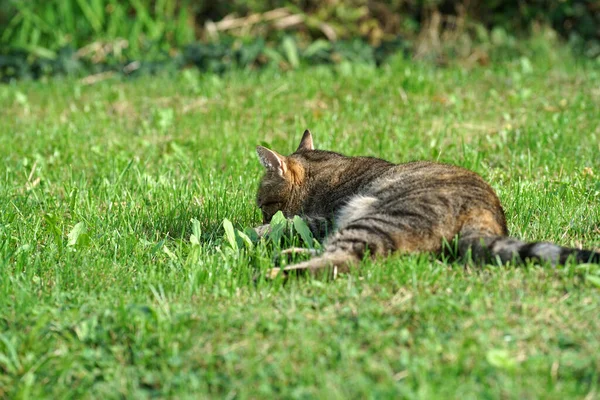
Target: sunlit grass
{"points": [[104, 291]]}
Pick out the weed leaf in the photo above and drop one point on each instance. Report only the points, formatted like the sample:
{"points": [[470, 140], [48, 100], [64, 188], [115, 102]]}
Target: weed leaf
{"points": [[77, 230], [230, 234], [196, 232], [594, 280], [291, 51], [245, 239], [278, 224], [501, 359], [303, 230]]}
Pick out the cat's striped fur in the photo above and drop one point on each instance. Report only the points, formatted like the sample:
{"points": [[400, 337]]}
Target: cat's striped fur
{"points": [[365, 204]]}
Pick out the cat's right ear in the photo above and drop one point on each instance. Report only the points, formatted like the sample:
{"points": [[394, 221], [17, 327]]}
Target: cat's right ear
{"points": [[271, 160]]}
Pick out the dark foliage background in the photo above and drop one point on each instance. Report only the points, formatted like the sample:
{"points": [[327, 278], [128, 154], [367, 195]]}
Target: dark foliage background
{"points": [[42, 37]]}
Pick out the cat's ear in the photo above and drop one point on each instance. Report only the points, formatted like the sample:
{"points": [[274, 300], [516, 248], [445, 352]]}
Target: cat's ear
{"points": [[307, 142], [271, 160]]}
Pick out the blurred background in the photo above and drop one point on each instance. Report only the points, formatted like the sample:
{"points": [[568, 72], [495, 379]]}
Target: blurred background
{"points": [[81, 37]]}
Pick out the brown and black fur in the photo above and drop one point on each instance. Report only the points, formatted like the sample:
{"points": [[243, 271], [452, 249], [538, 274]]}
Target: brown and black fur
{"points": [[365, 204]]}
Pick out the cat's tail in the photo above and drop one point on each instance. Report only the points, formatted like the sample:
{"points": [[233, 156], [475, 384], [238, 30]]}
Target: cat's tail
{"points": [[507, 249]]}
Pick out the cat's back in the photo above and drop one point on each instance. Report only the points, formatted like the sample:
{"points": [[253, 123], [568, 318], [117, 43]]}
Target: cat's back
{"points": [[336, 164], [427, 196], [428, 177], [435, 191]]}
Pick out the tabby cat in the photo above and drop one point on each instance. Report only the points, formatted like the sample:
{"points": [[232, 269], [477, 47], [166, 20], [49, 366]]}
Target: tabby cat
{"points": [[366, 205]]}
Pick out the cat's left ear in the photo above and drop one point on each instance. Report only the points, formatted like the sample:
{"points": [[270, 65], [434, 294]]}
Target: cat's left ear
{"points": [[307, 142], [272, 160]]}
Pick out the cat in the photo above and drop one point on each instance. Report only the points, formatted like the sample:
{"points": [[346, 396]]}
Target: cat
{"points": [[366, 205]]}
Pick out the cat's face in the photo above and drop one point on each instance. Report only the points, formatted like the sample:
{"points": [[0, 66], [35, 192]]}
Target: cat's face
{"points": [[282, 186]]}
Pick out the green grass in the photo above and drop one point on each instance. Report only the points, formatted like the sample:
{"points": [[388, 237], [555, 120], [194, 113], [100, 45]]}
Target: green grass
{"points": [[132, 307]]}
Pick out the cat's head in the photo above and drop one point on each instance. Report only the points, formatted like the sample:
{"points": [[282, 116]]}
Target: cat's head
{"points": [[282, 188]]}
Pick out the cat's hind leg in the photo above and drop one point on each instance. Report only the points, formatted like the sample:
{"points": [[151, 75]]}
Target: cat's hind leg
{"points": [[343, 250], [292, 252], [367, 230]]}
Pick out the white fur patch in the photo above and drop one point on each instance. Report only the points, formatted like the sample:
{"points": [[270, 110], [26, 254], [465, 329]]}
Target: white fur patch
{"points": [[356, 208], [547, 252]]}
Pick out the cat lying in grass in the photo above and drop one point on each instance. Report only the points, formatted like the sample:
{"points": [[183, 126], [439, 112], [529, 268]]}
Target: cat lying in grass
{"points": [[361, 205]]}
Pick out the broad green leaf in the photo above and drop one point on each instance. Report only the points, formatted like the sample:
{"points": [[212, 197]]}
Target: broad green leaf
{"points": [[196, 229], [21, 98], [272, 55], [76, 234], [302, 229], [278, 225], [164, 117], [500, 358], [56, 231], [251, 233], [594, 280], [290, 49], [316, 47], [196, 232], [168, 252], [246, 239], [230, 234]]}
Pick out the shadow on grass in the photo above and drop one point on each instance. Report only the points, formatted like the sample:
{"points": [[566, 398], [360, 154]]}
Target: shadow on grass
{"points": [[176, 223]]}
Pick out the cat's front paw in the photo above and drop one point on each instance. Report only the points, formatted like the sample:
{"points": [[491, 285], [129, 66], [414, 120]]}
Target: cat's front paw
{"points": [[262, 230]]}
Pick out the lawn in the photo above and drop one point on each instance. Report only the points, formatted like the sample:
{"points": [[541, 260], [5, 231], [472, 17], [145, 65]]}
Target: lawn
{"points": [[117, 278]]}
